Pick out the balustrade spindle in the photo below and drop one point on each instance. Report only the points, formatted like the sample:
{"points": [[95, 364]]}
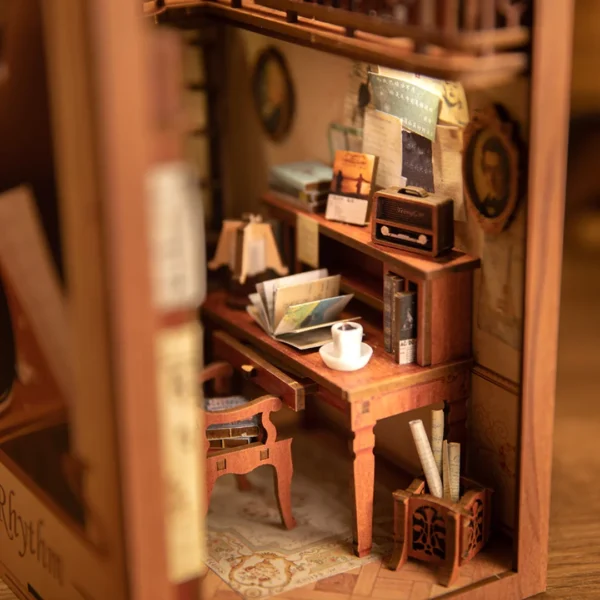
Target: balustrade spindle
{"points": [[450, 16], [427, 14], [471, 15], [488, 21], [512, 12], [426, 19]]}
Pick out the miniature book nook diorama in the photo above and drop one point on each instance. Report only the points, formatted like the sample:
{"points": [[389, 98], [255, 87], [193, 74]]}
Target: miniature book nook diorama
{"points": [[331, 263]]}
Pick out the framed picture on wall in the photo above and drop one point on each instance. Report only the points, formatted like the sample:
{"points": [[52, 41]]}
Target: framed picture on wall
{"points": [[491, 168], [273, 93]]}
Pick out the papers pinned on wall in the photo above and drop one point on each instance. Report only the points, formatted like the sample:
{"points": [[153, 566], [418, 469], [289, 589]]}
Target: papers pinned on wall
{"points": [[382, 137], [342, 137], [417, 160], [447, 166], [416, 106], [454, 109]]}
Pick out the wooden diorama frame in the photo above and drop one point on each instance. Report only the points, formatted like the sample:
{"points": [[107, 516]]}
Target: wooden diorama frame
{"points": [[107, 134]]}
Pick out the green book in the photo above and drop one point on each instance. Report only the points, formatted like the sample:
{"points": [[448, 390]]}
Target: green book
{"points": [[306, 175]]}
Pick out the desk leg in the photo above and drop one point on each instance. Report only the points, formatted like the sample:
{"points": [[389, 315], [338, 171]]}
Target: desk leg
{"points": [[362, 488]]}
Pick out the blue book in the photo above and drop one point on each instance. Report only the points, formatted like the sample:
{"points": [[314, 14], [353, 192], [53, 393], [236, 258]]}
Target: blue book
{"points": [[303, 176]]}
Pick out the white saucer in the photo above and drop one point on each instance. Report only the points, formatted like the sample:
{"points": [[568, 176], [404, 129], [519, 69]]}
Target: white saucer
{"points": [[334, 362]]}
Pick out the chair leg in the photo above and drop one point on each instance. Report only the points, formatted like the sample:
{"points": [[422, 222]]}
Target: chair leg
{"points": [[283, 484], [243, 484]]}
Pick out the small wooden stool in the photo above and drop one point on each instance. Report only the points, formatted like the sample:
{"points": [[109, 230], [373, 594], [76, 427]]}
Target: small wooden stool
{"points": [[439, 531]]}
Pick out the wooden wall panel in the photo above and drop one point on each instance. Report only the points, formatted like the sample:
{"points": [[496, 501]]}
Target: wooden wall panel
{"points": [[493, 433]]}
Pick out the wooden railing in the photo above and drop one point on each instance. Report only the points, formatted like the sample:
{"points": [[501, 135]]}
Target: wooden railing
{"points": [[479, 26], [476, 42]]}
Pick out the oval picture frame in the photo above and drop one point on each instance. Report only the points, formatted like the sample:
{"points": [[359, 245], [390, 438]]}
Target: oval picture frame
{"points": [[491, 169], [273, 93]]}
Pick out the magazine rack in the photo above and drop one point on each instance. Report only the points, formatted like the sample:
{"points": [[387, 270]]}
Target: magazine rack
{"points": [[434, 530], [111, 122]]}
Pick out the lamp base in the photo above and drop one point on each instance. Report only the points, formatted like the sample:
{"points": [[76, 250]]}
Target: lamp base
{"points": [[237, 293]]}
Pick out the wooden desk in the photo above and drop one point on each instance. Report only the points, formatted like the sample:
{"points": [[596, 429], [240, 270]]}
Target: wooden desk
{"points": [[382, 389]]}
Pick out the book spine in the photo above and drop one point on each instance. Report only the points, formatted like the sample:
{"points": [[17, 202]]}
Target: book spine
{"points": [[288, 179], [177, 261], [304, 195], [387, 312], [405, 306], [300, 200], [397, 286]]}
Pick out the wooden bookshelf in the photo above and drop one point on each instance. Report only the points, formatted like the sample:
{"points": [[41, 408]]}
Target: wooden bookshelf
{"points": [[409, 265], [365, 289]]}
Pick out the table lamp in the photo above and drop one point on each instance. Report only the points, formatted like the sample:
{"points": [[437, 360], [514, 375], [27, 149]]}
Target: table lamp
{"points": [[247, 247]]}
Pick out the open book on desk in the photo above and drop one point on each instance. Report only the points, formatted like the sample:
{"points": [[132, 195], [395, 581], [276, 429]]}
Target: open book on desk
{"points": [[299, 310]]}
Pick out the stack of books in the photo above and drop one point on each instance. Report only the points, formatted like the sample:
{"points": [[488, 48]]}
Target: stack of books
{"points": [[231, 435], [303, 184]]}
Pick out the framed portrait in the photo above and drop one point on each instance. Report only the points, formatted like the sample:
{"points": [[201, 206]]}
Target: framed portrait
{"points": [[273, 94], [491, 165]]}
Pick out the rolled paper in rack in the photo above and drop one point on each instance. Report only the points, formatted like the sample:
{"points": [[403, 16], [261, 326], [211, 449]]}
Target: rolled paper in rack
{"points": [[437, 437], [454, 453], [434, 481], [446, 471]]}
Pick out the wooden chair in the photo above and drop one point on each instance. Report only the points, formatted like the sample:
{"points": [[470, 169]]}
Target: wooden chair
{"points": [[266, 450]]}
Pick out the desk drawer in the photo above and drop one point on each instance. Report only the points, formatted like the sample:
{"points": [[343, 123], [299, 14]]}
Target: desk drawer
{"points": [[260, 371]]}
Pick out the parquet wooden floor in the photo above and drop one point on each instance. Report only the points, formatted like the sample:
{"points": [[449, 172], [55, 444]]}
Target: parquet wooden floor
{"points": [[415, 581]]}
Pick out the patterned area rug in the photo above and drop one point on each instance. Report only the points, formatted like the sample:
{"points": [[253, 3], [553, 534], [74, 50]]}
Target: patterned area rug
{"points": [[252, 552]]}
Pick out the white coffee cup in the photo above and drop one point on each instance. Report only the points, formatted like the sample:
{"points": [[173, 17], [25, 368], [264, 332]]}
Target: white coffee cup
{"points": [[347, 340]]}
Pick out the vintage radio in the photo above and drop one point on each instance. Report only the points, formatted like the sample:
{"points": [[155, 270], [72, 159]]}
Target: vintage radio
{"points": [[412, 219]]}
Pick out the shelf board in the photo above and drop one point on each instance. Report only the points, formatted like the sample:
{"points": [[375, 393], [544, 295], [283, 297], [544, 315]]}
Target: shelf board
{"points": [[473, 68], [411, 266], [381, 374], [363, 289], [31, 410]]}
